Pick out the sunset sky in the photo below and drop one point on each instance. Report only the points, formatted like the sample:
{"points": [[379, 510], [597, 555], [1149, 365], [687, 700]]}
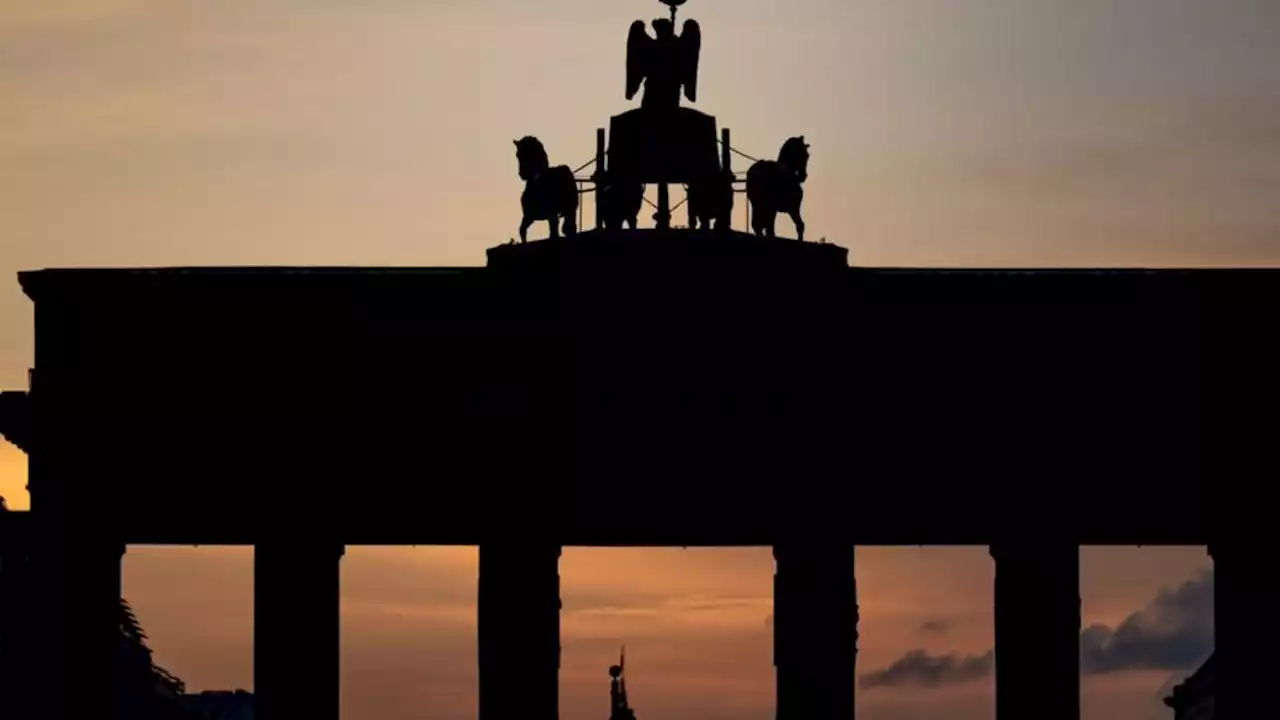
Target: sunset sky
{"points": [[378, 132]]}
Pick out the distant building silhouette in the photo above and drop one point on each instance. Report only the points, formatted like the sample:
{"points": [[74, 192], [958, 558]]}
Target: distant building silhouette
{"points": [[619, 708], [1192, 699], [220, 704]]}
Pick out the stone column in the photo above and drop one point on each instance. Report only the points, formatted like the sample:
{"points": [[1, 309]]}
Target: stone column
{"points": [[296, 630], [16, 640], [75, 628], [1242, 633], [815, 631], [519, 631], [1037, 629]]}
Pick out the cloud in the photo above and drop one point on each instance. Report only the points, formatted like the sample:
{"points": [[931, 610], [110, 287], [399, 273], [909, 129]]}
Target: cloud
{"points": [[935, 627], [1173, 632], [920, 669]]}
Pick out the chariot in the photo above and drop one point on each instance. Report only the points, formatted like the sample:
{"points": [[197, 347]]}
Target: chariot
{"points": [[661, 143]]}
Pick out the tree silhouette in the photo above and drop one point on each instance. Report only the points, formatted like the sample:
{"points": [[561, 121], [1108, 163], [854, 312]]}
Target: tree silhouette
{"points": [[148, 691]]}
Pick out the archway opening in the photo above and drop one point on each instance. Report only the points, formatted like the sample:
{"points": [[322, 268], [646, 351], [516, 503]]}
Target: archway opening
{"points": [[1147, 624], [191, 611], [695, 623], [408, 639], [926, 633]]}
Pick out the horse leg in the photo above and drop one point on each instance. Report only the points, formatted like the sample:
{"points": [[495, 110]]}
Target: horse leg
{"points": [[799, 223], [525, 223], [570, 224], [553, 227], [757, 219], [762, 221]]}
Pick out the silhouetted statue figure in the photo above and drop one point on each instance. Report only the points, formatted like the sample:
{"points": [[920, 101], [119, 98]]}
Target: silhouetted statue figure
{"points": [[665, 63], [619, 199], [774, 186], [710, 201], [549, 192], [618, 707]]}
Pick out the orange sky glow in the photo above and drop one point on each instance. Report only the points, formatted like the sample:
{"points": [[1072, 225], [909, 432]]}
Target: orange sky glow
{"points": [[984, 133]]}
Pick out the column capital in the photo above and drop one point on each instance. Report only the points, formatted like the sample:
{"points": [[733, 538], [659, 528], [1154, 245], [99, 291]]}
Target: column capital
{"points": [[110, 549], [1035, 550], [811, 549], [304, 546]]}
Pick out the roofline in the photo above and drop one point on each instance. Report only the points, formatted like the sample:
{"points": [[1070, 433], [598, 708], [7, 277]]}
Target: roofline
{"points": [[35, 283]]}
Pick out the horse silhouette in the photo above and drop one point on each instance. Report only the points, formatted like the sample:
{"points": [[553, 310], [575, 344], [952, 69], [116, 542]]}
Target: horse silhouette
{"points": [[710, 200], [774, 186], [619, 199], [550, 193]]}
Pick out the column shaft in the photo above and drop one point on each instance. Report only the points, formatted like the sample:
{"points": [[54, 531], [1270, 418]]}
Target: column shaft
{"points": [[16, 639], [296, 630], [1242, 634], [815, 628], [75, 619], [519, 631], [1037, 629]]}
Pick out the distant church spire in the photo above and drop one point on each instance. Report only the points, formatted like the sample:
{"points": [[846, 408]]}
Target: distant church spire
{"points": [[619, 709]]}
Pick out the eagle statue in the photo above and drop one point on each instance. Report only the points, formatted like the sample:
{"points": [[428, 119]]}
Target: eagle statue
{"points": [[664, 63]]}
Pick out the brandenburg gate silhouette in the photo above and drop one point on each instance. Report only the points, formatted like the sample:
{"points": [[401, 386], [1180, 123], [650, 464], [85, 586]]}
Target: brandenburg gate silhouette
{"points": [[613, 391], [628, 387]]}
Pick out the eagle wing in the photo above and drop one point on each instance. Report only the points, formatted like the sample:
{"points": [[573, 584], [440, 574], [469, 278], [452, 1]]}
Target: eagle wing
{"points": [[638, 43], [691, 45]]}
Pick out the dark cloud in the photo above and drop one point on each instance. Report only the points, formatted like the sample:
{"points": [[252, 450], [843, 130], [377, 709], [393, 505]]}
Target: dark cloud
{"points": [[935, 627], [920, 669], [1173, 632]]}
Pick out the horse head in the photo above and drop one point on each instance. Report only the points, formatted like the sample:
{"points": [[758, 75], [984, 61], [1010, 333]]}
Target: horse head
{"points": [[794, 155], [531, 156]]}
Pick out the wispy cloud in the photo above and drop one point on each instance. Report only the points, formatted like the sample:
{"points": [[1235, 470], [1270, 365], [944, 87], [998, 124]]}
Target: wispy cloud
{"points": [[935, 627]]}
